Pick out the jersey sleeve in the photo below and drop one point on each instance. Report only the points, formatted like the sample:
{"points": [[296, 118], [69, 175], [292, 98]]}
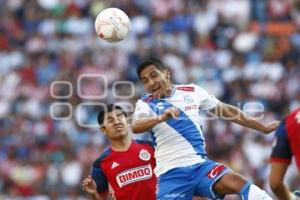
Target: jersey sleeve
{"points": [[207, 100], [142, 109], [281, 152], [99, 177], [150, 143]]}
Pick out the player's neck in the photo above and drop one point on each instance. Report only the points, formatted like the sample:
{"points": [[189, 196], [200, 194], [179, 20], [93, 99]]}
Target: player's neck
{"points": [[121, 144], [169, 92]]}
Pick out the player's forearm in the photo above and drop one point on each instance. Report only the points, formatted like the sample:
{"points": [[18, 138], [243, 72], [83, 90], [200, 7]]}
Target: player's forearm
{"points": [[234, 114], [282, 192], [145, 124]]}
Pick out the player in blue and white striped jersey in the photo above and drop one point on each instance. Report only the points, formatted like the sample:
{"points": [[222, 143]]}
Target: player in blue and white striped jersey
{"points": [[171, 113]]}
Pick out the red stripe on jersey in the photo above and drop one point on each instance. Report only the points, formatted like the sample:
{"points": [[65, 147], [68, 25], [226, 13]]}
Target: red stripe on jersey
{"points": [[186, 88], [280, 160], [214, 172], [148, 99]]}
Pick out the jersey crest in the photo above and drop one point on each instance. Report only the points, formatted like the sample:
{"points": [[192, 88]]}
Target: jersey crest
{"points": [[144, 155]]}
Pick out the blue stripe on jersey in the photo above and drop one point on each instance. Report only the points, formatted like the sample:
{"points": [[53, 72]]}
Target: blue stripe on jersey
{"points": [[244, 193], [281, 130], [153, 138], [145, 142], [98, 174], [184, 126]]}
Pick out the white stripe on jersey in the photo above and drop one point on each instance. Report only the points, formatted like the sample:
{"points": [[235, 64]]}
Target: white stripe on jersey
{"points": [[178, 143], [172, 150]]}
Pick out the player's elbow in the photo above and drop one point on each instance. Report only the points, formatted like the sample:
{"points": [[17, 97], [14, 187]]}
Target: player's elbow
{"points": [[224, 111], [135, 128]]}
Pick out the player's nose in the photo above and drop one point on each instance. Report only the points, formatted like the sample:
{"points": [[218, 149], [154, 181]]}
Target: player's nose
{"points": [[151, 82], [117, 121], [154, 85]]}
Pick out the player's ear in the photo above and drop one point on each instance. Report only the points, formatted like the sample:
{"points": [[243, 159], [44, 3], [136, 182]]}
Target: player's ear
{"points": [[167, 73], [102, 129]]}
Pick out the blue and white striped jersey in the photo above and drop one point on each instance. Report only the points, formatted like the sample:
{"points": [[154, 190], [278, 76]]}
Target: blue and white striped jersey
{"points": [[178, 142]]}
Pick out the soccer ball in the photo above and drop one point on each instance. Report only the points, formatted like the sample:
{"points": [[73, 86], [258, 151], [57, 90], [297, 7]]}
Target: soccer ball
{"points": [[112, 25]]}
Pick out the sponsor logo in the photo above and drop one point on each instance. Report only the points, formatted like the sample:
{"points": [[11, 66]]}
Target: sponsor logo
{"points": [[174, 195], [190, 107], [114, 165], [186, 88], [148, 99], [144, 155], [134, 175], [215, 171]]}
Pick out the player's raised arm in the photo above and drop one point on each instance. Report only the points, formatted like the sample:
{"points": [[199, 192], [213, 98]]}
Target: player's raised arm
{"points": [[143, 122], [234, 114]]}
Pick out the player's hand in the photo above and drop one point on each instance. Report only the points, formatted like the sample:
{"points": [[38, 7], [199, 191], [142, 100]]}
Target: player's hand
{"points": [[171, 112], [271, 127], [88, 185]]}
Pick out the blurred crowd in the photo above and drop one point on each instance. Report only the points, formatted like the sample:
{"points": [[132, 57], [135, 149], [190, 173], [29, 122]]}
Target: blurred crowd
{"points": [[55, 72]]}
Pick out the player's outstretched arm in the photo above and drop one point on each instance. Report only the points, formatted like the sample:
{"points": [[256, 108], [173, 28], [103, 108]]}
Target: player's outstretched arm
{"points": [[144, 123], [88, 185], [234, 114]]}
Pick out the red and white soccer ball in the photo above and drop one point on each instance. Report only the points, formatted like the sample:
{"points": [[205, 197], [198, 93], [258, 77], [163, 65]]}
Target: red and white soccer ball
{"points": [[112, 25]]}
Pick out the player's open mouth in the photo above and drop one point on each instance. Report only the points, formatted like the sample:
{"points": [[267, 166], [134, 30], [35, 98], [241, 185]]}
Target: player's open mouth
{"points": [[156, 89]]}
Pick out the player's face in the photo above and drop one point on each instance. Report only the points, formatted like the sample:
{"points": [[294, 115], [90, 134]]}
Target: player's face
{"points": [[156, 82], [115, 125]]}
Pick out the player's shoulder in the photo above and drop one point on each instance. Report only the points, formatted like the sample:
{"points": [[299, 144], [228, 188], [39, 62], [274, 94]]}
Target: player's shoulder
{"points": [[104, 155], [294, 115], [144, 142], [281, 130]]}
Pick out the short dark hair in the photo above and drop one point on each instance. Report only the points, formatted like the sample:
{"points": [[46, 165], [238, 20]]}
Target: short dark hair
{"points": [[151, 61], [107, 109]]}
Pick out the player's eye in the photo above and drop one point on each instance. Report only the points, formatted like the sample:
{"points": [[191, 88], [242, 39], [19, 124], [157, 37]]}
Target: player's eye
{"points": [[110, 120], [144, 80], [120, 116], [154, 75]]}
